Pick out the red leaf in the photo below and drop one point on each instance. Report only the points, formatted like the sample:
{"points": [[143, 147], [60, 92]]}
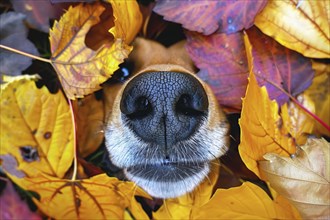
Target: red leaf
{"points": [[208, 16], [222, 61], [276, 64]]}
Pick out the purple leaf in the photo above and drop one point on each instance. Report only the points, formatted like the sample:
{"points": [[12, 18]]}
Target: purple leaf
{"points": [[276, 64], [209, 16], [222, 61]]}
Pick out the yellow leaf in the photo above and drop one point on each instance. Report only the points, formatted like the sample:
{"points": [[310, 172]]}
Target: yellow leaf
{"points": [[100, 197], [303, 179], [81, 70], [128, 19], [319, 92], [89, 113], [261, 127], [247, 201], [297, 121], [299, 25], [36, 131], [185, 206]]}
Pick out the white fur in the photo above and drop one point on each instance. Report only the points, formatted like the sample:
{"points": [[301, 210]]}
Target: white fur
{"points": [[127, 150]]}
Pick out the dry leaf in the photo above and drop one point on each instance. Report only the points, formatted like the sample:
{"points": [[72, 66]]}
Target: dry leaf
{"points": [[261, 127], [100, 197], [300, 25], [247, 201], [297, 121], [89, 113], [81, 70], [186, 206], [319, 92], [303, 179], [36, 131]]}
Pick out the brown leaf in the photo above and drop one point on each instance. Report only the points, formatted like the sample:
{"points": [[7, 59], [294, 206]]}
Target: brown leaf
{"points": [[303, 179], [300, 25]]}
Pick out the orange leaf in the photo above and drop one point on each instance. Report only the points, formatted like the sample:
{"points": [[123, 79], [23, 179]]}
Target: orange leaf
{"points": [[128, 19], [296, 120], [99, 197], [81, 70], [261, 127], [319, 92], [299, 25], [36, 131], [89, 113], [245, 202], [303, 179]]}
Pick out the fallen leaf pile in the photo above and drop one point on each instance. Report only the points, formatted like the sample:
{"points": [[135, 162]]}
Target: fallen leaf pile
{"points": [[266, 60]]}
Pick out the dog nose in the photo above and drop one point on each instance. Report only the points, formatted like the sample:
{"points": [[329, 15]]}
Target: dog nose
{"points": [[164, 107]]}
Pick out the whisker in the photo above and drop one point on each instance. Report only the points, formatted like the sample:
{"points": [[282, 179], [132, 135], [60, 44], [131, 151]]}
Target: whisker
{"points": [[232, 137]]}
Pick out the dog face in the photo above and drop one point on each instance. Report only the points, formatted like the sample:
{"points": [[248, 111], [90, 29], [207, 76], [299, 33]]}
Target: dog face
{"points": [[164, 126]]}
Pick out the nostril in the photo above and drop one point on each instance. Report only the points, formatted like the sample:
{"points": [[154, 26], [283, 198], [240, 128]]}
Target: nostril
{"points": [[137, 108], [189, 106]]}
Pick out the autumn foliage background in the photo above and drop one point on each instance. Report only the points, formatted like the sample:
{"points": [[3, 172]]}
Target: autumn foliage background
{"points": [[266, 61]]}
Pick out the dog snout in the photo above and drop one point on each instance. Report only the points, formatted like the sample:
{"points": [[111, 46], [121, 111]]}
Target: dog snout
{"points": [[164, 108]]}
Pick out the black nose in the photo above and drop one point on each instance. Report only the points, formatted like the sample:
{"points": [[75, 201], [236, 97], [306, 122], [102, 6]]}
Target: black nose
{"points": [[164, 107]]}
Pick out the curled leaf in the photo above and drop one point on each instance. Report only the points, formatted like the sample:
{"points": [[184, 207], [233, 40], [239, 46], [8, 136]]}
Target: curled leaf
{"points": [[302, 26], [303, 179], [261, 127], [42, 141], [81, 70], [128, 20], [207, 17]]}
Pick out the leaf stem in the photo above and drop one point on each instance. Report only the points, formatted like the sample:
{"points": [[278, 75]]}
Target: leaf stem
{"points": [[75, 161], [25, 54], [319, 120]]}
